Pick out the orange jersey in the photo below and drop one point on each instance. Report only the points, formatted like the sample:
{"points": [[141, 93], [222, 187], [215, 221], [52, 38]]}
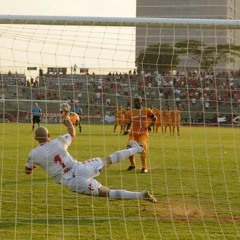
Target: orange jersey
{"points": [[140, 120], [119, 115], [167, 117], [74, 118], [127, 116], [154, 110], [159, 115], [176, 116]]}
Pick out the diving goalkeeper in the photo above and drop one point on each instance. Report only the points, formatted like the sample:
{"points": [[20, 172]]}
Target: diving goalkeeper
{"points": [[53, 157]]}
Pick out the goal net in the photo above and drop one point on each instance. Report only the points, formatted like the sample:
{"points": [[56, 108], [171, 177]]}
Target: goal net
{"points": [[182, 68]]}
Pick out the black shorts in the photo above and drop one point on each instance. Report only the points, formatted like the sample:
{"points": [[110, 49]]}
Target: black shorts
{"points": [[36, 119]]}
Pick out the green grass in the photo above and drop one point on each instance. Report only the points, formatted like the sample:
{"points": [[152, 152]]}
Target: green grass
{"points": [[195, 177]]}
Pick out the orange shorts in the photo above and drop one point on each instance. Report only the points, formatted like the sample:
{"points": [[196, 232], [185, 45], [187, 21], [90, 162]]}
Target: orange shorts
{"points": [[141, 139]]}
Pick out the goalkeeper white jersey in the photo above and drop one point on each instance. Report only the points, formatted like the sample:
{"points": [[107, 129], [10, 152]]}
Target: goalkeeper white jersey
{"points": [[54, 158]]}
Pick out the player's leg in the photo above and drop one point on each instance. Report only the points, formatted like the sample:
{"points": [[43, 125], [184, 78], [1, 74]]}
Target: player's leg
{"points": [[123, 194], [178, 130], [131, 158], [165, 130], [132, 163], [143, 141], [38, 121], [115, 127], [121, 129], [33, 123], [83, 182], [79, 125], [120, 155]]}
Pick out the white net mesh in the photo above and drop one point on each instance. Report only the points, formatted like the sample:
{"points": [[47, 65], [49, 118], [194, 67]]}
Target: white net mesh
{"points": [[193, 174]]}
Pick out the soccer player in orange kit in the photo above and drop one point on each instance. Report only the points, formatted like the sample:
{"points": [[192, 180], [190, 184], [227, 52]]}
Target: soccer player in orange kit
{"points": [[140, 119], [176, 120], [119, 119]]}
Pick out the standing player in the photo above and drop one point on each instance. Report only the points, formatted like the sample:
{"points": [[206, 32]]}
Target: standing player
{"points": [[159, 122], [167, 120], [119, 119], [53, 157], [176, 120], [140, 119], [36, 115], [127, 119], [153, 124]]}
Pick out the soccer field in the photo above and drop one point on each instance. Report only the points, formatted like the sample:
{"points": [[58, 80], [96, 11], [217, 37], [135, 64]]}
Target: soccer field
{"points": [[195, 178]]}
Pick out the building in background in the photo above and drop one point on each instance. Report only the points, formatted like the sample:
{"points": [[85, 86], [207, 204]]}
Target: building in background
{"points": [[196, 9]]}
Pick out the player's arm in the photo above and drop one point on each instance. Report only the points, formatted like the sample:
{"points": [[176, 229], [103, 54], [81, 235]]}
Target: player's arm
{"points": [[29, 170], [29, 167], [69, 125], [129, 124], [65, 112], [153, 119]]}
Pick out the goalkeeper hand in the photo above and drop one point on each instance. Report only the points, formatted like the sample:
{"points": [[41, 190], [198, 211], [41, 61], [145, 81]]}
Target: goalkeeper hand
{"points": [[65, 110], [65, 107]]}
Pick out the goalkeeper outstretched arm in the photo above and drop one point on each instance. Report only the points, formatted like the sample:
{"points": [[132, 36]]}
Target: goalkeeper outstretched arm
{"points": [[69, 125], [65, 114], [43, 136]]}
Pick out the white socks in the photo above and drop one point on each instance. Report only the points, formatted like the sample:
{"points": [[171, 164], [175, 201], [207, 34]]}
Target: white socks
{"points": [[122, 154], [123, 194]]}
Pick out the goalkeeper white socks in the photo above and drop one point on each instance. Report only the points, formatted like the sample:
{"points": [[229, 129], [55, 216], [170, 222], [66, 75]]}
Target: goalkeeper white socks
{"points": [[122, 154], [123, 194]]}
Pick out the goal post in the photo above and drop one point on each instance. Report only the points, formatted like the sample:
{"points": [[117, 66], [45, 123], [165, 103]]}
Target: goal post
{"points": [[188, 67], [102, 45], [119, 21]]}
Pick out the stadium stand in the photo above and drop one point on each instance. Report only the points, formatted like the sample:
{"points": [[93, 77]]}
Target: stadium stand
{"points": [[204, 97]]}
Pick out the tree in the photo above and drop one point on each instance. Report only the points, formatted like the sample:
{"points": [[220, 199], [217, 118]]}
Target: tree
{"points": [[208, 56], [160, 57], [166, 57]]}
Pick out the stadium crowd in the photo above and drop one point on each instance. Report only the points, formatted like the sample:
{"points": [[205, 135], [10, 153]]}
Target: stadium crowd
{"points": [[201, 95]]}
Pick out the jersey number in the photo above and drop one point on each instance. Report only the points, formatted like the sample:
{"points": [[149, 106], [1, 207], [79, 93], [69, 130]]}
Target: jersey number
{"points": [[57, 159]]}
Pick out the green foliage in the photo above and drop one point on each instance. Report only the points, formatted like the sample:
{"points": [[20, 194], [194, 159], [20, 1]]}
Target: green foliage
{"points": [[158, 57], [195, 178], [208, 56], [165, 57]]}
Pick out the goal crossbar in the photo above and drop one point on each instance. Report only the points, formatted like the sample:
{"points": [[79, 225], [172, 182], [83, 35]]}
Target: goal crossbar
{"points": [[118, 21]]}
